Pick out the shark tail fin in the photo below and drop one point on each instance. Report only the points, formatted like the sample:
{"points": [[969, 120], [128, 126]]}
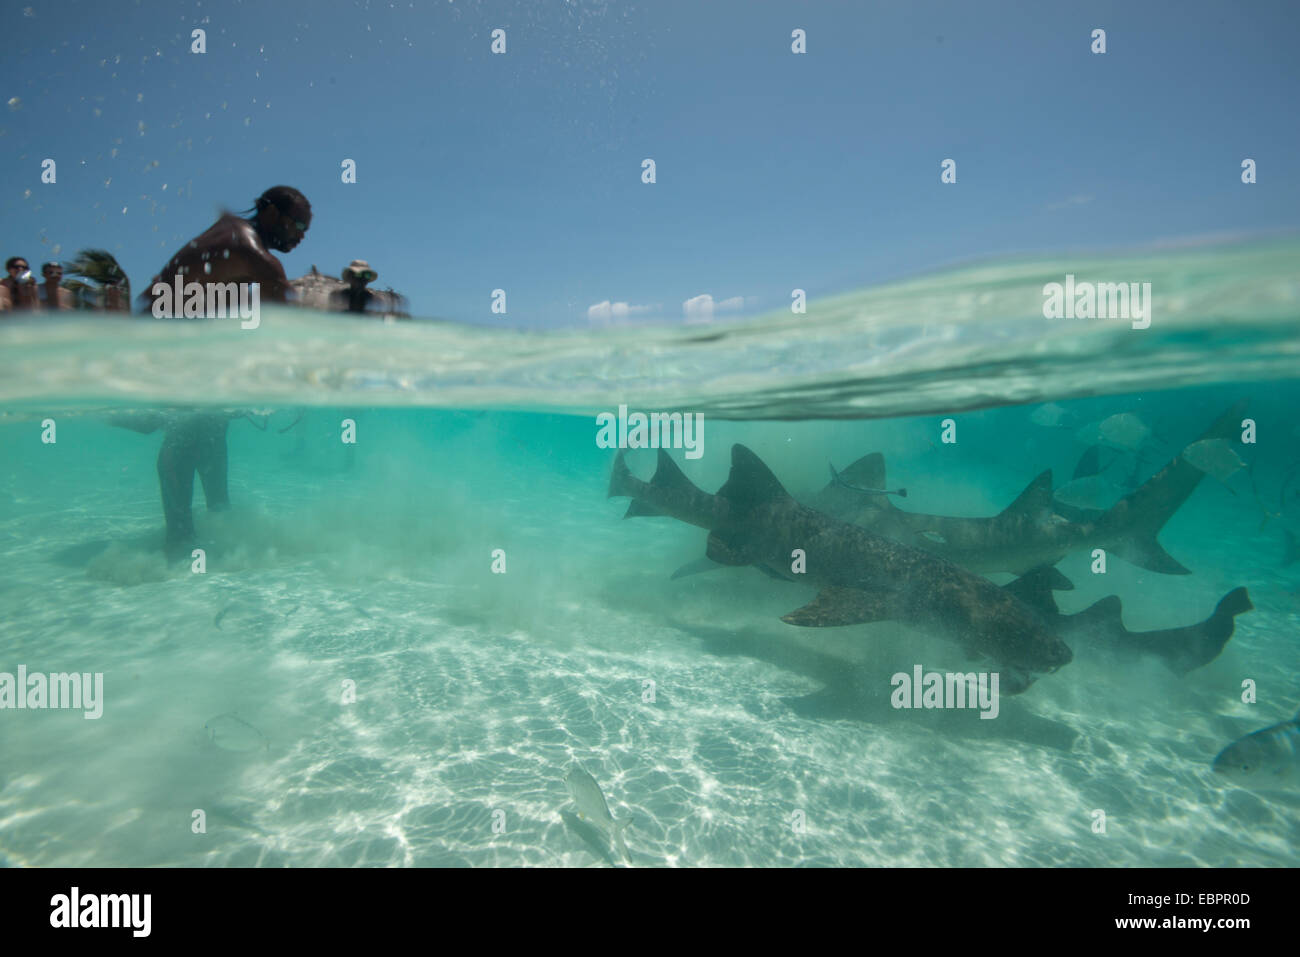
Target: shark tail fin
{"points": [[1292, 553], [1234, 603], [1141, 515], [1211, 635]]}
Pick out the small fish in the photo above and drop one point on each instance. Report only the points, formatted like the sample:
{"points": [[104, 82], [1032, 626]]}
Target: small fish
{"points": [[1051, 416], [229, 732], [1214, 457], [1125, 431], [1093, 492], [835, 477], [590, 801], [934, 537], [1268, 756]]}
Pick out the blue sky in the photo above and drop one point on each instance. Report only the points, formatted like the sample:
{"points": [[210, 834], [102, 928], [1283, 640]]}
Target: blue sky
{"points": [[522, 171]]}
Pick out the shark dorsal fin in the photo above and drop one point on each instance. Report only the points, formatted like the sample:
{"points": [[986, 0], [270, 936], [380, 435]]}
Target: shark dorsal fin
{"points": [[1107, 613], [1037, 497], [868, 471], [1035, 588], [751, 483], [669, 475]]}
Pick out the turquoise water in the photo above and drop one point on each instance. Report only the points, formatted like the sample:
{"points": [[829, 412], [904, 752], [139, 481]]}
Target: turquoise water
{"points": [[372, 564]]}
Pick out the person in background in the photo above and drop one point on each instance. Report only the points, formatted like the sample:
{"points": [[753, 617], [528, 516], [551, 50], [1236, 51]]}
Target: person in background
{"points": [[234, 249], [19, 284], [356, 297], [52, 295], [113, 299]]}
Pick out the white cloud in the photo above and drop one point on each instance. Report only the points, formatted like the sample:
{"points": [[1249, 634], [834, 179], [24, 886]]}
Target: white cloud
{"points": [[698, 308], [703, 308], [616, 311]]}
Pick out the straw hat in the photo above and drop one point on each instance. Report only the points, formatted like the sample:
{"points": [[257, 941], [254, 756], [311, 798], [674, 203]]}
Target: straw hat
{"points": [[362, 269]]}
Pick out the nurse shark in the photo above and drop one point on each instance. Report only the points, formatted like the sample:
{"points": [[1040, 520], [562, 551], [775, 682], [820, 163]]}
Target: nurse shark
{"points": [[862, 577], [1029, 532]]}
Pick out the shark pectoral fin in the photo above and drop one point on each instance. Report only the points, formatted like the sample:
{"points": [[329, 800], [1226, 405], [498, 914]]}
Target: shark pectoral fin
{"points": [[727, 547], [841, 606], [699, 566], [771, 572], [639, 508], [1143, 550]]}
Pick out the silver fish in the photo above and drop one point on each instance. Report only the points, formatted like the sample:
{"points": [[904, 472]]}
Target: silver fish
{"points": [[591, 805], [1093, 492], [1268, 756], [1214, 457], [1052, 416], [1122, 431], [229, 732]]}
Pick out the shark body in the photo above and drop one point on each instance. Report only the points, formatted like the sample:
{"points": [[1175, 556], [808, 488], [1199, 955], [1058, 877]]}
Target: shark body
{"points": [[1029, 532], [862, 577], [1101, 624], [860, 592]]}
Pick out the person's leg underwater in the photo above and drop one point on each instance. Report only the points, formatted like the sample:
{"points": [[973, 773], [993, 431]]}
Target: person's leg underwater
{"points": [[213, 461], [177, 459]]}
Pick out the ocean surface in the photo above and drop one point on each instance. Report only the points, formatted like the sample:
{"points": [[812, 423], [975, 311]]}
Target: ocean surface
{"points": [[400, 645]]}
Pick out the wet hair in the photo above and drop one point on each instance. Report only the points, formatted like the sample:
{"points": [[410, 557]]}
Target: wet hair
{"points": [[45, 266], [284, 198], [9, 263]]}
